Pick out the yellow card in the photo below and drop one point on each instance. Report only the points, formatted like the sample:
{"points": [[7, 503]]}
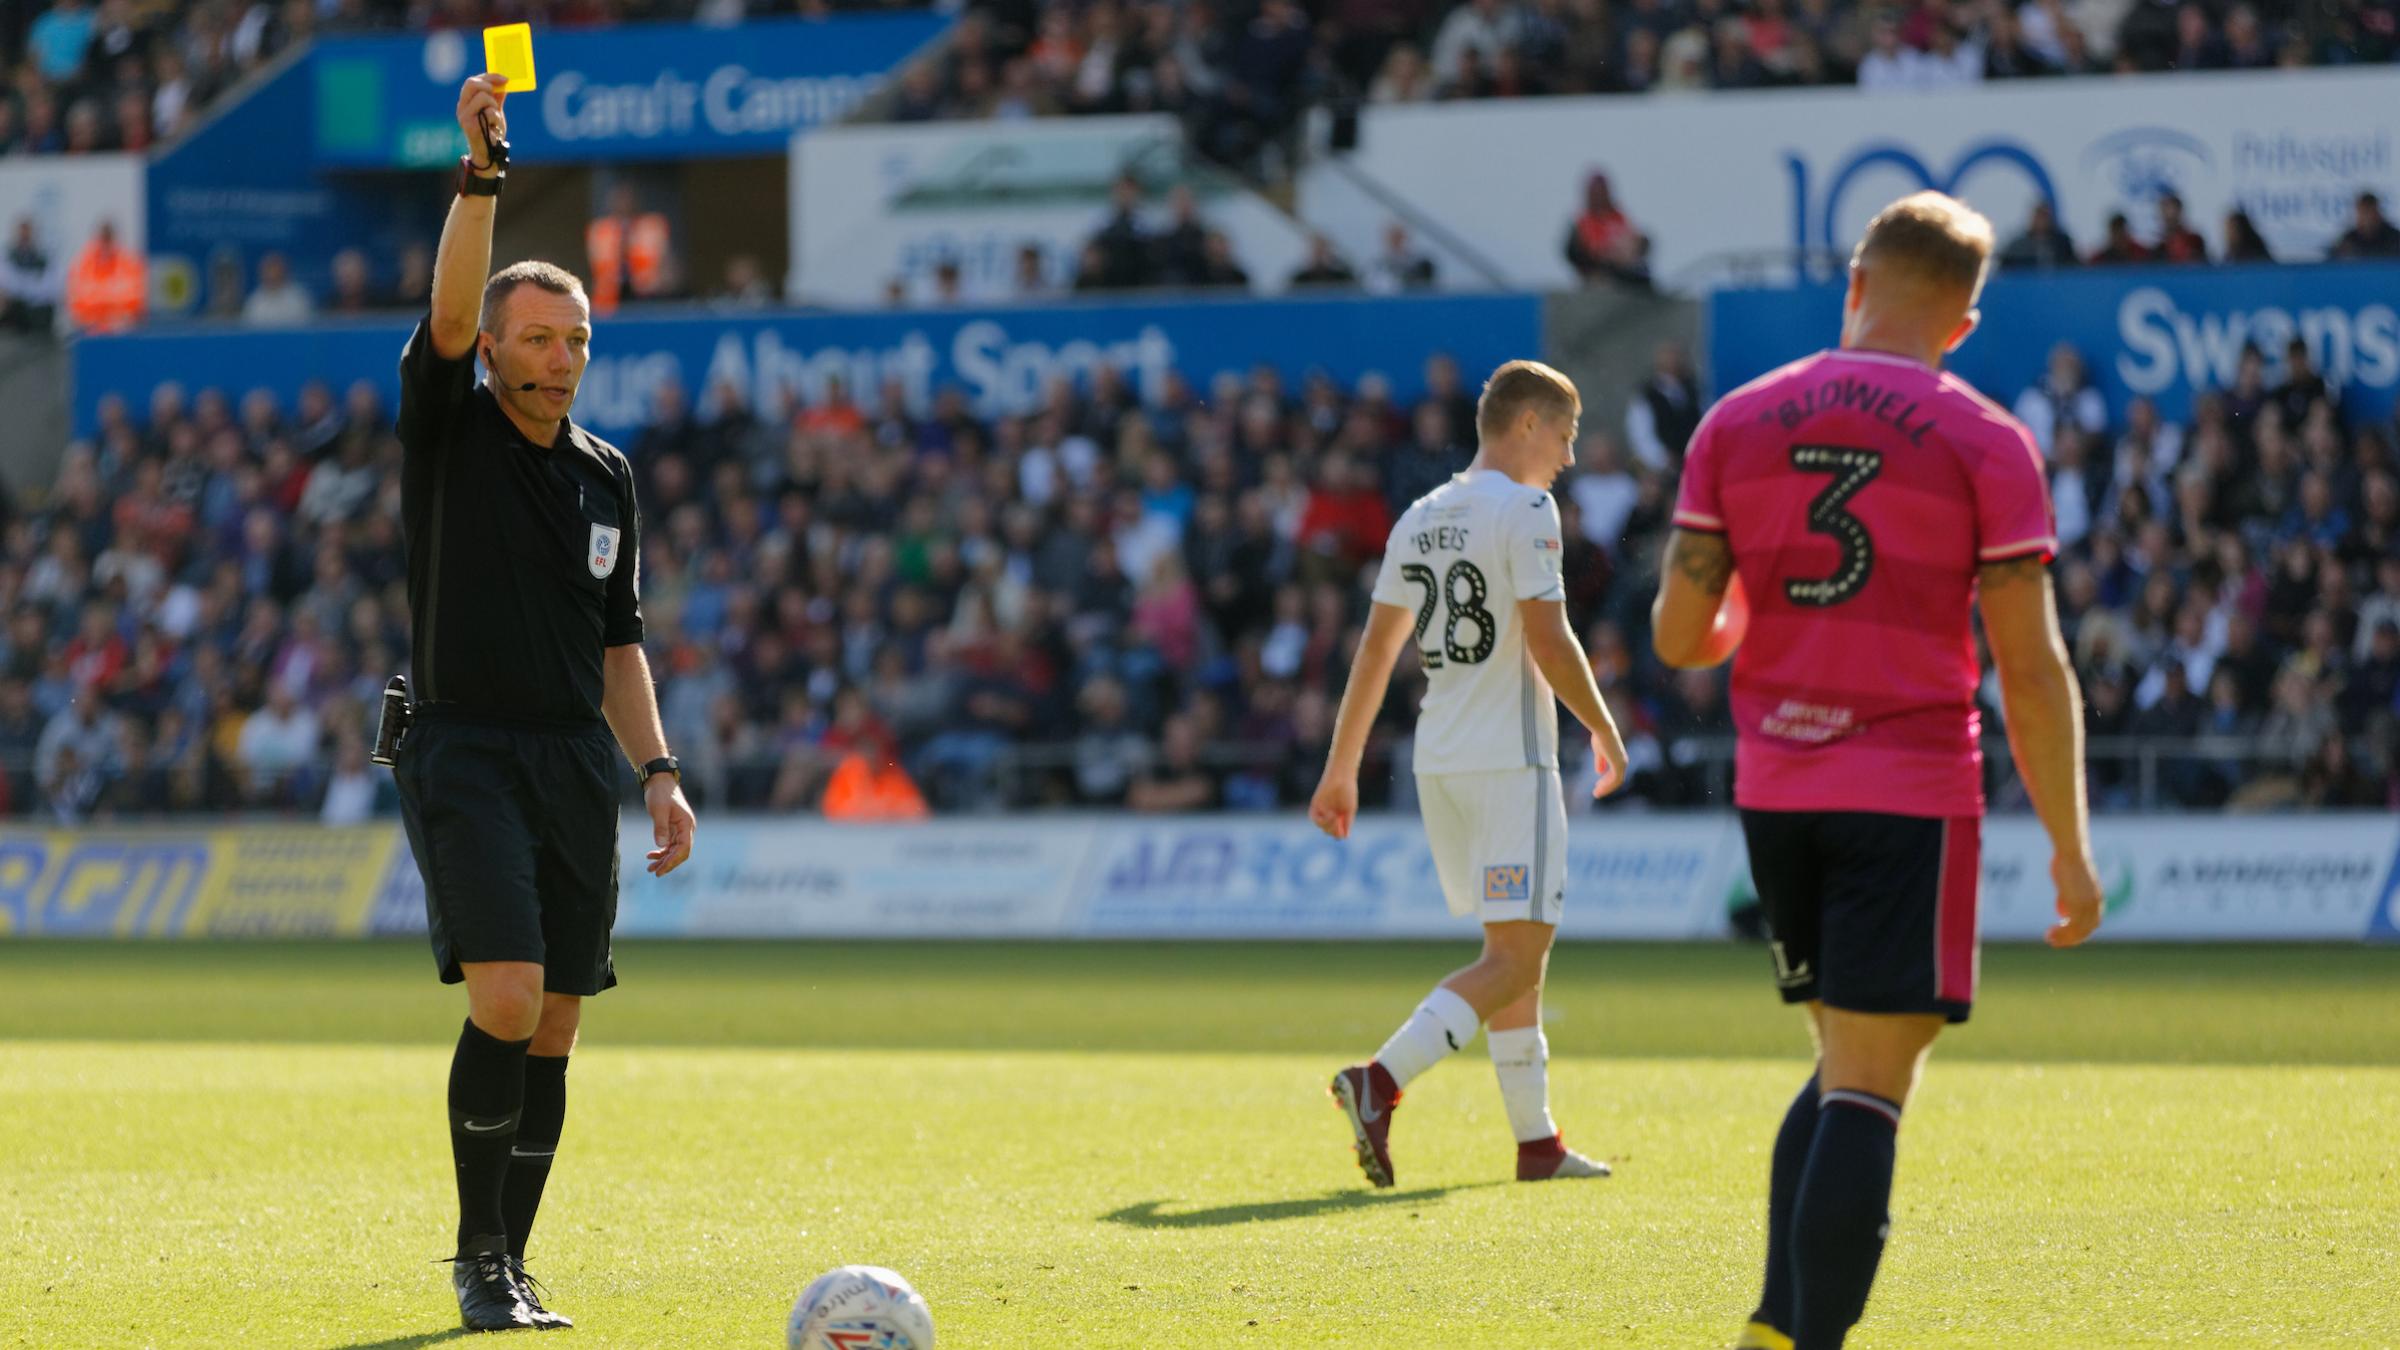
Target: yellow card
{"points": [[508, 50]]}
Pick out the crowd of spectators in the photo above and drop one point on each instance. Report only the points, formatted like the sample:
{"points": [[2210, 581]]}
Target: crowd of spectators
{"points": [[1240, 72], [2044, 243], [102, 287], [94, 75], [2230, 586], [1182, 251], [1141, 245], [1106, 602], [88, 77]]}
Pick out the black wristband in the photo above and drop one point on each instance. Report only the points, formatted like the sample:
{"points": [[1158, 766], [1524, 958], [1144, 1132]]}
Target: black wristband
{"points": [[474, 184], [663, 764]]}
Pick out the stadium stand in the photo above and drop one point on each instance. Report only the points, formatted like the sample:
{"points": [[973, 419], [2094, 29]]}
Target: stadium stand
{"points": [[1103, 603], [125, 74], [1229, 68], [122, 75]]}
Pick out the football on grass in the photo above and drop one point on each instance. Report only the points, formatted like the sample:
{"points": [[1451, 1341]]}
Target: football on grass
{"points": [[860, 1308]]}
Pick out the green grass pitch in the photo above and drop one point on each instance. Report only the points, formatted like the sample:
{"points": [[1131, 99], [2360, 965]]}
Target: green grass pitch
{"points": [[1131, 1146]]}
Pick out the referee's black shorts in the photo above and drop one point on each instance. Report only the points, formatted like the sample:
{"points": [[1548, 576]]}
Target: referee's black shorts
{"points": [[515, 831], [1870, 912]]}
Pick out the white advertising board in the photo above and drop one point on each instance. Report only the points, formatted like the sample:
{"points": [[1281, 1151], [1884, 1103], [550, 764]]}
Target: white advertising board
{"points": [[2188, 878], [67, 198], [1708, 178], [761, 878], [2321, 878], [874, 203], [1658, 877]]}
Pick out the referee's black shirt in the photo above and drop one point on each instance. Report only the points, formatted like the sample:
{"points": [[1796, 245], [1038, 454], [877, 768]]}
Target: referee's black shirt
{"points": [[521, 557]]}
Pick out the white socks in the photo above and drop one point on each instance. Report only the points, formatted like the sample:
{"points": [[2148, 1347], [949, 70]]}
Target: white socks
{"points": [[1442, 1023], [1521, 1058]]}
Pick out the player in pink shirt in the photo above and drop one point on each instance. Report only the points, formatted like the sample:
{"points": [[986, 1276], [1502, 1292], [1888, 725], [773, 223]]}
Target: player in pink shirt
{"points": [[1839, 520]]}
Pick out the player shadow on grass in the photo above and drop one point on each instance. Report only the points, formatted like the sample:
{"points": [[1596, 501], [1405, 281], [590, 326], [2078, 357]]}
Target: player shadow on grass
{"points": [[408, 1342], [1146, 1214]]}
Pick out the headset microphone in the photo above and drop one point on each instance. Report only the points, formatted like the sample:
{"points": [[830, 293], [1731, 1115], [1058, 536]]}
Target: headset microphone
{"points": [[526, 388]]}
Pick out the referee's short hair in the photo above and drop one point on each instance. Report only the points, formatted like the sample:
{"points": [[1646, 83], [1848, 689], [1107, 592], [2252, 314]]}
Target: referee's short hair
{"points": [[504, 283], [1518, 387], [1931, 239]]}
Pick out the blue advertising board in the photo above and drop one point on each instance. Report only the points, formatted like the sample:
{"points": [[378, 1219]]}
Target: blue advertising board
{"points": [[2165, 333], [1001, 357], [633, 92], [242, 186]]}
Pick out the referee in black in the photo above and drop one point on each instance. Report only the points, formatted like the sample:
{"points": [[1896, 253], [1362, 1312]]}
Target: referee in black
{"points": [[523, 540]]}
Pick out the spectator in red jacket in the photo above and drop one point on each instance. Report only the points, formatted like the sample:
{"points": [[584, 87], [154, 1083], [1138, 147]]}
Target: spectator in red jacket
{"points": [[1345, 523], [2121, 247], [2177, 241], [1602, 244]]}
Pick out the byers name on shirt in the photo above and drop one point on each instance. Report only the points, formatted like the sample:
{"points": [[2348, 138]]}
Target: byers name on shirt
{"points": [[1857, 395], [1449, 537]]}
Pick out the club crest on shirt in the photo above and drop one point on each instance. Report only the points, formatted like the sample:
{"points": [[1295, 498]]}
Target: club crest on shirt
{"points": [[1506, 883], [601, 557]]}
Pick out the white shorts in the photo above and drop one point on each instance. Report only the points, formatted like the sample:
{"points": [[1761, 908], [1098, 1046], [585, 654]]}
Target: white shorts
{"points": [[1499, 842]]}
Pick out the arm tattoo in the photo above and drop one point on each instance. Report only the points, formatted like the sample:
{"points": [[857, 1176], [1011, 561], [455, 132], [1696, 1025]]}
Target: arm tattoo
{"points": [[2014, 572], [1703, 559]]}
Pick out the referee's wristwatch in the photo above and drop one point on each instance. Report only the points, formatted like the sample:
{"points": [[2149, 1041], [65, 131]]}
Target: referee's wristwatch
{"points": [[662, 764]]}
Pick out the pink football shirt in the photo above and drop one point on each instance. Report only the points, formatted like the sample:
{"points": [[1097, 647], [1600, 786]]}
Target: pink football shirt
{"points": [[1859, 492]]}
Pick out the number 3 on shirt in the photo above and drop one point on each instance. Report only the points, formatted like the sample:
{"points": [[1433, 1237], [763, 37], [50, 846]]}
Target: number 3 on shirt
{"points": [[1468, 606], [1829, 514]]}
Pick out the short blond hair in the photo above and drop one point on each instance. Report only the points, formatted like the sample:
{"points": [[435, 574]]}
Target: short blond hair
{"points": [[1931, 238], [1521, 386]]}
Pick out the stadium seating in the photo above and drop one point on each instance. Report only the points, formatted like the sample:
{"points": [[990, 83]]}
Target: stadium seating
{"points": [[1100, 602], [122, 74]]}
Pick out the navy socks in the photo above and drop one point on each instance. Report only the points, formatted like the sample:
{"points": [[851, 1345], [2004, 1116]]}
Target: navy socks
{"points": [[1841, 1215]]}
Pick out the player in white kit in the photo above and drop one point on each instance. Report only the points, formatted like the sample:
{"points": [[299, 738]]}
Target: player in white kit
{"points": [[1472, 575]]}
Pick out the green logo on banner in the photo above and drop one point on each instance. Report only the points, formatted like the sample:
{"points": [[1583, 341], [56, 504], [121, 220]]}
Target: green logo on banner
{"points": [[425, 145], [2116, 891], [349, 106]]}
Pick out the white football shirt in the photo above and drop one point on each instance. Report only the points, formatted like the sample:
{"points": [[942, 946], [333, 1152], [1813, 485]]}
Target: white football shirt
{"points": [[1460, 559]]}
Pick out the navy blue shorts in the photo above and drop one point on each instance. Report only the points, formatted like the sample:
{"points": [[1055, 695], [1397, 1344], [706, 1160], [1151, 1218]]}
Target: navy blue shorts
{"points": [[1870, 912], [516, 833]]}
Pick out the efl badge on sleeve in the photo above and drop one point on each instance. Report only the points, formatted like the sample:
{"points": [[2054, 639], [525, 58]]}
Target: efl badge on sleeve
{"points": [[601, 557]]}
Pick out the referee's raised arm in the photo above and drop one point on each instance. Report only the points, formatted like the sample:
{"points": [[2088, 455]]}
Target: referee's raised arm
{"points": [[465, 258]]}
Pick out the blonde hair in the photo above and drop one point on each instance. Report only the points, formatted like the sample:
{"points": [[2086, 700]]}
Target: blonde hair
{"points": [[1521, 386], [1931, 238]]}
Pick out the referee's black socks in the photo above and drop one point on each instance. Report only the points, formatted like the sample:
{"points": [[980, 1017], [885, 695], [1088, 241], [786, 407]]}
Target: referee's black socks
{"points": [[538, 1126], [487, 1095], [1842, 1214]]}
